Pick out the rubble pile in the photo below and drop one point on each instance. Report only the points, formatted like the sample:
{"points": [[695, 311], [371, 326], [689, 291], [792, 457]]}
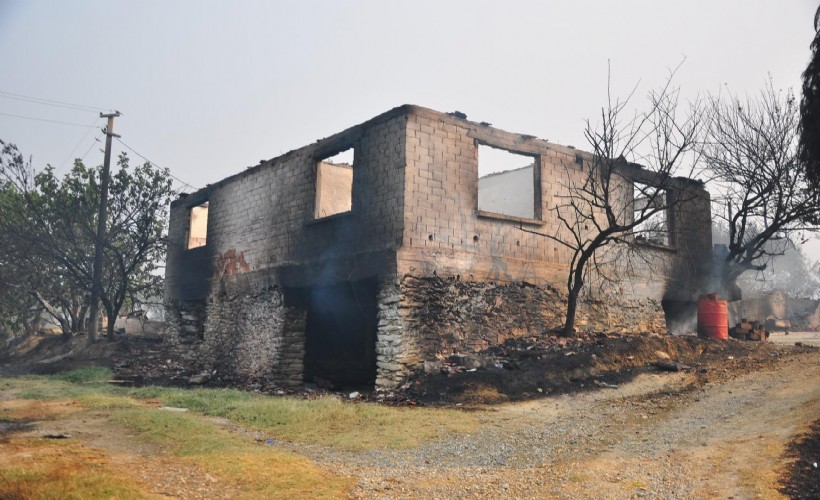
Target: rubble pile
{"points": [[148, 362], [749, 330], [519, 368]]}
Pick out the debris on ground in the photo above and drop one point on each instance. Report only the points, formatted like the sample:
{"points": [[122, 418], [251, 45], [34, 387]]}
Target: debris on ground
{"points": [[802, 477], [518, 369], [671, 366], [57, 436]]}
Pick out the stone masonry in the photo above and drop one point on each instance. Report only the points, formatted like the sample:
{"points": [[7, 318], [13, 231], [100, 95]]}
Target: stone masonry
{"points": [[263, 297]]}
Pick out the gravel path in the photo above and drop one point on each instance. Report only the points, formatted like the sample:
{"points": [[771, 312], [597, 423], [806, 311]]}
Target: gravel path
{"points": [[660, 436]]}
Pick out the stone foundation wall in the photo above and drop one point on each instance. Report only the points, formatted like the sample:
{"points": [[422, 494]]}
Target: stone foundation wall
{"points": [[420, 317], [246, 330], [249, 330], [396, 347], [185, 322]]}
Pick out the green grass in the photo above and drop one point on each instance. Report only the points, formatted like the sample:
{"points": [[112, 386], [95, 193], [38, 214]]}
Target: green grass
{"points": [[180, 433], [88, 386], [250, 469], [87, 375], [65, 385], [326, 421]]}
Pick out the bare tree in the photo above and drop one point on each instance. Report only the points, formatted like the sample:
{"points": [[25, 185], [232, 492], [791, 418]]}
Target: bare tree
{"points": [[751, 150], [619, 200]]}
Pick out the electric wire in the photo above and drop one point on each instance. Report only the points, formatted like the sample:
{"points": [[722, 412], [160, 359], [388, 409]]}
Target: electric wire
{"points": [[46, 120], [48, 102], [96, 140], [155, 165], [78, 144]]}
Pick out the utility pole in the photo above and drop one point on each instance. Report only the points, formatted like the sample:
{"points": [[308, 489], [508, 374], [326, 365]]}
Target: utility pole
{"points": [[99, 242]]}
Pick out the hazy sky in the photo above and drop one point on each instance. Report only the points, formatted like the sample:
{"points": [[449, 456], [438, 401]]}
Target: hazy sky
{"points": [[208, 88]]}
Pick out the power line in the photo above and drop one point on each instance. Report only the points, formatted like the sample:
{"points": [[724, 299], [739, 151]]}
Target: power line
{"points": [[46, 120], [78, 143], [47, 102], [96, 140], [155, 165]]}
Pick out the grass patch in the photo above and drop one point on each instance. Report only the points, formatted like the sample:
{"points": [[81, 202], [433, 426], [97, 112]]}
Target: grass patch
{"points": [[253, 470], [179, 433], [91, 380], [326, 421], [258, 471], [85, 375]]}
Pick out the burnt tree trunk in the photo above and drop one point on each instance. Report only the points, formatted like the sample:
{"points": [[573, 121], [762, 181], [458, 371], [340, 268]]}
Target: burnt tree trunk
{"points": [[574, 286]]}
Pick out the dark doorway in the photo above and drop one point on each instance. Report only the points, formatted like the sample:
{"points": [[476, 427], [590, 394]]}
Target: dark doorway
{"points": [[340, 340]]}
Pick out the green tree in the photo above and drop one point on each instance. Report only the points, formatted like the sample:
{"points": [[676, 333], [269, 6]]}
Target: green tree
{"points": [[810, 110], [51, 230]]}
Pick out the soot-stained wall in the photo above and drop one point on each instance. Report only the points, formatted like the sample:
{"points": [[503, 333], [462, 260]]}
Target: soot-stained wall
{"points": [[444, 276]]}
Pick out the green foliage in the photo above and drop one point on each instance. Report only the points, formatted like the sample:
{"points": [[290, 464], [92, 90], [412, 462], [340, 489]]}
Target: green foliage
{"points": [[15, 307], [49, 226], [810, 112], [85, 375]]}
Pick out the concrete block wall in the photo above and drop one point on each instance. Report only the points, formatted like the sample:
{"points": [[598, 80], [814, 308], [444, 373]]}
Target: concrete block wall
{"points": [[263, 218], [445, 234], [263, 237]]}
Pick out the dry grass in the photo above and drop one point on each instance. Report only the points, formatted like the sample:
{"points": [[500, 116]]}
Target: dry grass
{"points": [[254, 470], [257, 470], [480, 393], [37, 468]]}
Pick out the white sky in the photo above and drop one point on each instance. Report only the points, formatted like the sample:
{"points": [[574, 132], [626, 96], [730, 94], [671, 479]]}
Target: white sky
{"points": [[208, 88]]}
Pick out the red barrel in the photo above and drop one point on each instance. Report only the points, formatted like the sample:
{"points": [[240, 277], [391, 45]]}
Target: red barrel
{"points": [[713, 317]]}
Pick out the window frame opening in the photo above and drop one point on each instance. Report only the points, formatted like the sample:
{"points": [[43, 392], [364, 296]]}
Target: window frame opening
{"points": [[490, 204], [656, 230], [196, 235], [333, 189]]}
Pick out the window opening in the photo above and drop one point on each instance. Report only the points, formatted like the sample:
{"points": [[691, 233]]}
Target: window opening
{"points": [[506, 182], [198, 226], [650, 207], [334, 184]]}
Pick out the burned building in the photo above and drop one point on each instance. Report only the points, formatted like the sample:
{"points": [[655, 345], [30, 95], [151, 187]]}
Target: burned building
{"points": [[358, 257]]}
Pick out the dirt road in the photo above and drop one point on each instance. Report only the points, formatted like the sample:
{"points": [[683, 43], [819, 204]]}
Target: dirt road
{"points": [[655, 437], [662, 435], [806, 338]]}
